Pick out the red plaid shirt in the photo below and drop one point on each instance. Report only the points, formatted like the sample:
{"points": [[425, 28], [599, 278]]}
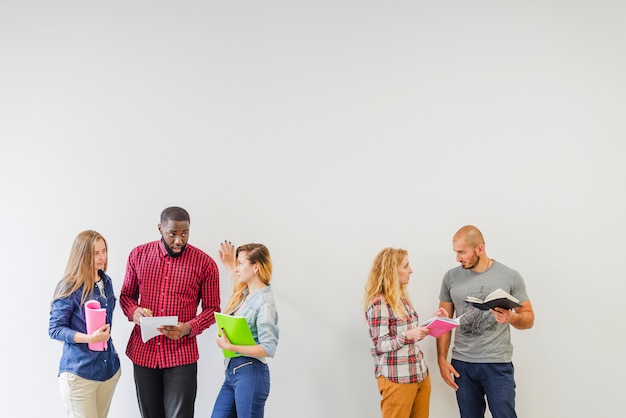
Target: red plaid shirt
{"points": [[396, 357], [169, 286]]}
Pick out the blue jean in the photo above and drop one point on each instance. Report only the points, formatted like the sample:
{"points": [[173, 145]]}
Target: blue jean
{"points": [[245, 389], [479, 380]]}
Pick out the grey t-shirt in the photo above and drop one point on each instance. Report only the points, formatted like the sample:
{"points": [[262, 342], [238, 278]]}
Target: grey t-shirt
{"points": [[479, 338]]}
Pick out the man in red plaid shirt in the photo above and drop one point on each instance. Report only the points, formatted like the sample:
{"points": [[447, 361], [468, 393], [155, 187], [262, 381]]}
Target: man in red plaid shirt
{"points": [[169, 277]]}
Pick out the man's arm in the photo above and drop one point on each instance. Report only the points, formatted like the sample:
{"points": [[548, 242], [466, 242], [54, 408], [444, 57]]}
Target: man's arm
{"points": [[210, 299], [520, 318], [129, 295]]}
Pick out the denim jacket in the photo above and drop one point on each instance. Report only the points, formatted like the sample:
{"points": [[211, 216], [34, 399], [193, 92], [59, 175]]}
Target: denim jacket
{"points": [[67, 317], [260, 312]]}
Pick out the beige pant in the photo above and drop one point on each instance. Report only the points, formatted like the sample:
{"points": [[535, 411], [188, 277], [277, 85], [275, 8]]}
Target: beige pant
{"points": [[401, 400], [85, 398]]}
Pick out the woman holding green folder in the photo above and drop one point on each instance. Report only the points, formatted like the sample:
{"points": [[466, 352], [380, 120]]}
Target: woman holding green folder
{"points": [[247, 382]]}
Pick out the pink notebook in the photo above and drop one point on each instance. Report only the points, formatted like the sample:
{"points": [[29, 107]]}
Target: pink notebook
{"points": [[438, 325], [95, 316]]}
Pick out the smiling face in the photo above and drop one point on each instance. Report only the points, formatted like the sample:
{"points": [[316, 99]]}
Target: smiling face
{"points": [[100, 254], [404, 271]]}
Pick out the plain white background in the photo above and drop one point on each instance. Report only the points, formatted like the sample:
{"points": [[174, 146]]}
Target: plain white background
{"points": [[326, 130]]}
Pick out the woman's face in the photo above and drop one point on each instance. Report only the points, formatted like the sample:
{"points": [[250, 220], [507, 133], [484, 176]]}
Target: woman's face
{"points": [[245, 270], [99, 254], [404, 271]]}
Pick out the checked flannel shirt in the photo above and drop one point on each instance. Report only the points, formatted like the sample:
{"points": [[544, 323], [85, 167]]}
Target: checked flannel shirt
{"points": [[169, 286], [396, 357]]}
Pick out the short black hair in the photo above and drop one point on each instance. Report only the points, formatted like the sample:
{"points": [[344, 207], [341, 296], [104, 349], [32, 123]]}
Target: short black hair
{"points": [[174, 213]]}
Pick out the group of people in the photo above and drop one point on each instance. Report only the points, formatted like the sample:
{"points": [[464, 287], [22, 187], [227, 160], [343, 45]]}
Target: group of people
{"points": [[480, 369], [170, 277], [167, 277]]}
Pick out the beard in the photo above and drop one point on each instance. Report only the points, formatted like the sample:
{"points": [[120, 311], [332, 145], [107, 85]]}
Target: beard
{"points": [[171, 252], [472, 263]]}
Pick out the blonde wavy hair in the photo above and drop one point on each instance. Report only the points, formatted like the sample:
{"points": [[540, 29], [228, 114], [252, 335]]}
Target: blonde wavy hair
{"points": [[259, 255], [383, 281], [79, 271]]}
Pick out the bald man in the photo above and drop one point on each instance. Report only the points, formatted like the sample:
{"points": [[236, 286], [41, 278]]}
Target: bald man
{"points": [[481, 368]]}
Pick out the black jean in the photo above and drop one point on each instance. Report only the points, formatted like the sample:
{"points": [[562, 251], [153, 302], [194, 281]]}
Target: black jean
{"points": [[166, 393]]}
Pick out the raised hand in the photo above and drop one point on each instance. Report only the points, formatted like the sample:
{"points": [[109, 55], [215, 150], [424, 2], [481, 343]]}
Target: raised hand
{"points": [[227, 255]]}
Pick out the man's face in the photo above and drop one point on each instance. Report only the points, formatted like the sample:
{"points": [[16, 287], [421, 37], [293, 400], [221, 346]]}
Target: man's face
{"points": [[175, 235], [465, 254]]}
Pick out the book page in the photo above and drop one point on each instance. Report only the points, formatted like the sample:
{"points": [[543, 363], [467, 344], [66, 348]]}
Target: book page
{"points": [[149, 325], [500, 294]]}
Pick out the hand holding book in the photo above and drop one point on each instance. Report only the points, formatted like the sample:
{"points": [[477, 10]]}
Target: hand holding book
{"points": [[424, 329], [496, 299], [236, 330], [440, 325], [95, 318]]}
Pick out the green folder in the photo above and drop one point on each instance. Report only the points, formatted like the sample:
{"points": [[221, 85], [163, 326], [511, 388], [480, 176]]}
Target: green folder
{"points": [[236, 329]]}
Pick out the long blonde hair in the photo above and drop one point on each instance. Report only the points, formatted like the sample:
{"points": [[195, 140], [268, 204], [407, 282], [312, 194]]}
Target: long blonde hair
{"points": [[383, 281], [80, 267], [256, 254]]}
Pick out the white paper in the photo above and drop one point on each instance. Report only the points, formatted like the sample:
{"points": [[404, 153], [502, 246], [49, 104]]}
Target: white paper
{"points": [[149, 325]]}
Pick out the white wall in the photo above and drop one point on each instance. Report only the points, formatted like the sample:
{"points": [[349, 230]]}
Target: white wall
{"points": [[327, 130]]}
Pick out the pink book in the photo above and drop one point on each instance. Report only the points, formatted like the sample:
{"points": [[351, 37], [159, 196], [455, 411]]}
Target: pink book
{"points": [[438, 325], [95, 316]]}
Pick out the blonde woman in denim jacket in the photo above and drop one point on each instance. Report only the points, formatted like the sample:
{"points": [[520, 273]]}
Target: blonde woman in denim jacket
{"points": [[87, 378], [247, 382]]}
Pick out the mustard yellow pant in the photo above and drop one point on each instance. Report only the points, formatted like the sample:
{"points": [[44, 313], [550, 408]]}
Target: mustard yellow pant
{"points": [[404, 400]]}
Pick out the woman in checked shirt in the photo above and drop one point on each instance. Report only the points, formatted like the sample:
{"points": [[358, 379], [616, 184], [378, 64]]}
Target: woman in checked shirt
{"points": [[247, 382], [399, 366]]}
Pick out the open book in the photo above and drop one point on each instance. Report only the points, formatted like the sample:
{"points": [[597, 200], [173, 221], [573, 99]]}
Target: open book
{"points": [[236, 329], [496, 299], [438, 325]]}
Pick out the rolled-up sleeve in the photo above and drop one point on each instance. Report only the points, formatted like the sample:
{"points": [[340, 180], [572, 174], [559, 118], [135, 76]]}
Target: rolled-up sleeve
{"points": [[210, 294], [267, 328], [59, 326], [378, 319]]}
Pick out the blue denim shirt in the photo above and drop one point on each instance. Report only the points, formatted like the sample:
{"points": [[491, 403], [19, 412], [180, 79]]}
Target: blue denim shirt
{"points": [[260, 312], [67, 317]]}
